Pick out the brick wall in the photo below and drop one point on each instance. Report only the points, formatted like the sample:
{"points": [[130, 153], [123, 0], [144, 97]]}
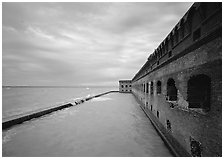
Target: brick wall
{"points": [[188, 123]]}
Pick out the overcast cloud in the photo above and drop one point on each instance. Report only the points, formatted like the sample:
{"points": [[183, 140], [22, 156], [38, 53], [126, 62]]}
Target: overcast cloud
{"points": [[81, 43]]}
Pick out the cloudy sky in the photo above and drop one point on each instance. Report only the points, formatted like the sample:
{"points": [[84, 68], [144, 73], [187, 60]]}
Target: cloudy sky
{"points": [[62, 44]]}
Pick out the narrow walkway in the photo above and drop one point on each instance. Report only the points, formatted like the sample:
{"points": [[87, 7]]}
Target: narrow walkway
{"points": [[111, 125]]}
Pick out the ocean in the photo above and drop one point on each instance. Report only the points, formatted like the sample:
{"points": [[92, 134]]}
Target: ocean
{"points": [[20, 100]]}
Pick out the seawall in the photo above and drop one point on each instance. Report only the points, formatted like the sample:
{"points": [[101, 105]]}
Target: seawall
{"points": [[36, 114]]}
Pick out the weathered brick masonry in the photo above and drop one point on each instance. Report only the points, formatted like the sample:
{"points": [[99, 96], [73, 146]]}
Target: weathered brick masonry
{"points": [[180, 85]]}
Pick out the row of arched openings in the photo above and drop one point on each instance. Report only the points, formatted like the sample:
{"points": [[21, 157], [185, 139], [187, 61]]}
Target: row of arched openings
{"points": [[198, 91], [158, 87]]}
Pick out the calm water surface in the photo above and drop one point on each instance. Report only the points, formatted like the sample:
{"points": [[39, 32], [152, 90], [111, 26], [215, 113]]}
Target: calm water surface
{"points": [[111, 125], [19, 100]]}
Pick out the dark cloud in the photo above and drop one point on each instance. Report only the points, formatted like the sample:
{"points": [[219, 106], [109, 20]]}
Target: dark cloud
{"points": [[81, 43]]}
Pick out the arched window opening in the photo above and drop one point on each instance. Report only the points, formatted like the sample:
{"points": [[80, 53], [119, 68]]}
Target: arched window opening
{"points": [[199, 90], [157, 114], [171, 90], [151, 87], [159, 84], [169, 54], [147, 87]]}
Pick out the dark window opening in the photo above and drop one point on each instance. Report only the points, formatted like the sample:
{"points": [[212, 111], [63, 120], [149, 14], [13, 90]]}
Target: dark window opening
{"points": [[168, 125], [122, 86], [147, 87], [197, 34], [199, 91], [151, 87], [171, 90], [169, 53], [129, 85], [195, 148], [157, 62], [126, 86], [143, 87], [151, 107], [159, 87], [157, 114]]}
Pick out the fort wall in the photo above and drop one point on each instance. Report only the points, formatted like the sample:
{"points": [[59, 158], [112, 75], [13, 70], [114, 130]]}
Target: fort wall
{"points": [[180, 85]]}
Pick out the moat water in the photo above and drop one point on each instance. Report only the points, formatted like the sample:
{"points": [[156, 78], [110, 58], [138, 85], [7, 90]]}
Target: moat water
{"points": [[19, 100], [111, 125]]}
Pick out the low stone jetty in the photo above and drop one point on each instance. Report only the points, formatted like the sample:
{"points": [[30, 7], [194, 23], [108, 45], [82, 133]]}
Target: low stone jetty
{"points": [[36, 114]]}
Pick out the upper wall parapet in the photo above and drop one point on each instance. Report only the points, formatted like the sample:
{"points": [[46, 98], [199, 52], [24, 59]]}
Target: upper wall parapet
{"points": [[198, 22]]}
